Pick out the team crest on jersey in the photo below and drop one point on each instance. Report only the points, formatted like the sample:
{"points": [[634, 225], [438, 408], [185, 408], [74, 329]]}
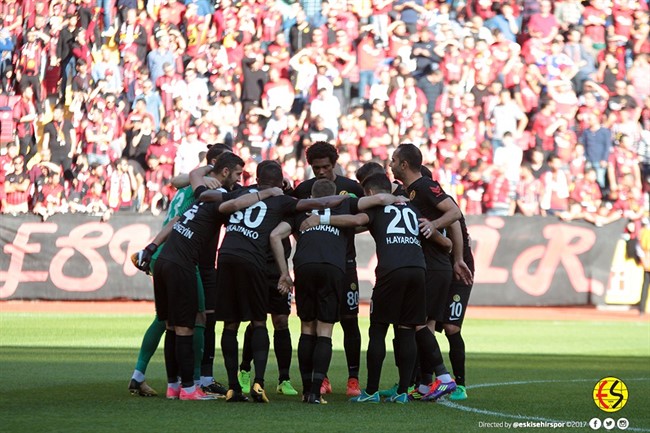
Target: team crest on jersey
{"points": [[412, 195], [353, 286], [456, 298], [436, 190], [344, 192]]}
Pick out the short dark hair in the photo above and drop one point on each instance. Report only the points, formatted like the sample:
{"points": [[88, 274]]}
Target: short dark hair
{"points": [[323, 188], [227, 160], [410, 153], [269, 174], [367, 169], [322, 149], [216, 150], [378, 182]]}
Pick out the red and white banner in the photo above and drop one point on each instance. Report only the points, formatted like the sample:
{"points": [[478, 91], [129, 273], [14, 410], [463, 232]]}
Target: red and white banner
{"points": [[519, 260]]}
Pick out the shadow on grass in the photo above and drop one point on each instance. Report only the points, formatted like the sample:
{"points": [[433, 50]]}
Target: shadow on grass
{"points": [[83, 389]]}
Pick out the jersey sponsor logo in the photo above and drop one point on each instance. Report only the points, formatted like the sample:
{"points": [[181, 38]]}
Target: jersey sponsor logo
{"points": [[404, 240], [436, 190], [323, 228], [184, 231], [243, 230]]}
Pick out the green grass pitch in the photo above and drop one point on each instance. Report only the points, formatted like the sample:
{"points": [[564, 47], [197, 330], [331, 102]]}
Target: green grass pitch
{"points": [[68, 373]]}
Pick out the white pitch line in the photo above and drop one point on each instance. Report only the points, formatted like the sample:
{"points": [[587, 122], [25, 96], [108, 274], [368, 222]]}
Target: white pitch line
{"points": [[451, 405]]}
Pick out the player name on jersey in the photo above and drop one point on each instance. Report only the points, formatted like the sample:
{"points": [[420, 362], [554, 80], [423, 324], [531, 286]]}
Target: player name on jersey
{"points": [[184, 231], [243, 230], [405, 240], [323, 228]]}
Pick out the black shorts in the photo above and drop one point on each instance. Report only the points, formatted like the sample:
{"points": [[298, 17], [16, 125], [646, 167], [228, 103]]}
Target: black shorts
{"points": [[278, 303], [176, 293], [437, 288], [242, 294], [318, 292], [399, 298], [350, 300], [456, 304], [209, 281]]}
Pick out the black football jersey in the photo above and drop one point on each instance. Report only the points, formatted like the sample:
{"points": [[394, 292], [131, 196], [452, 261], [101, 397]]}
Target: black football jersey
{"points": [[248, 230], [425, 194], [343, 186], [397, 237], [324, 243], [193, 231], [208, 256]]}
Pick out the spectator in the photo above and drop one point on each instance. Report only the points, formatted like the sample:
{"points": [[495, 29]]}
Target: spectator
{"points": [[51, 199], [121, 186], [554, 194], [496, 198], [16, 188], [409, 12], [209, 67], [506, 117], [187, 155], [597, 141], [543, 25], [326, 106], [153, 103], [278, 92], [60, 138], [300, 32], [505, 22], [24, 116], [161, 56], [528, 192], [132, 36]]}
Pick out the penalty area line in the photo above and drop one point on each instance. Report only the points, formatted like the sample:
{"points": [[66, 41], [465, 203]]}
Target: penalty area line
{"points": [[497, 414]]}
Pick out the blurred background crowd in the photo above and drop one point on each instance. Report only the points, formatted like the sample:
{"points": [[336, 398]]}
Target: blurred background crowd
{"points": [[519, 107]]}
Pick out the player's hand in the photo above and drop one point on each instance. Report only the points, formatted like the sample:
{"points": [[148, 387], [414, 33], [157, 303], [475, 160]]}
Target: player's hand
{"points": [[285, 284], [311, 221], [142, 259], [400, 199], [286, 184], [426, 228], [462, 273], [275, 191], [211, 182]]}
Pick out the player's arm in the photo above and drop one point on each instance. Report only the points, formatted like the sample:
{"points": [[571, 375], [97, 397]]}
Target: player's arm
{"points": [[142, 259], [320, 203], [381, 199], [342, 221], [450, 214], [279, 233], [246, 200], [461, 270], [436, 237], [183, 180], [198, 177]]}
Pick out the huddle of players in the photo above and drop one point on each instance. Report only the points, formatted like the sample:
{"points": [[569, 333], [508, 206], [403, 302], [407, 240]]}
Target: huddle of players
{"points": [[413, 274]]}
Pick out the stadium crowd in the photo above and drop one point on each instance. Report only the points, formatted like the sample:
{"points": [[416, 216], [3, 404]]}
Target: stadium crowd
{"points": [[531, 107]]}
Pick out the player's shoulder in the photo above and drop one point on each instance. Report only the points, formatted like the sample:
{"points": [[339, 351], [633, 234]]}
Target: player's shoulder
{"points": [[345, 185], [281, 200], [399, 189], [303, 190], [425, 184]]}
